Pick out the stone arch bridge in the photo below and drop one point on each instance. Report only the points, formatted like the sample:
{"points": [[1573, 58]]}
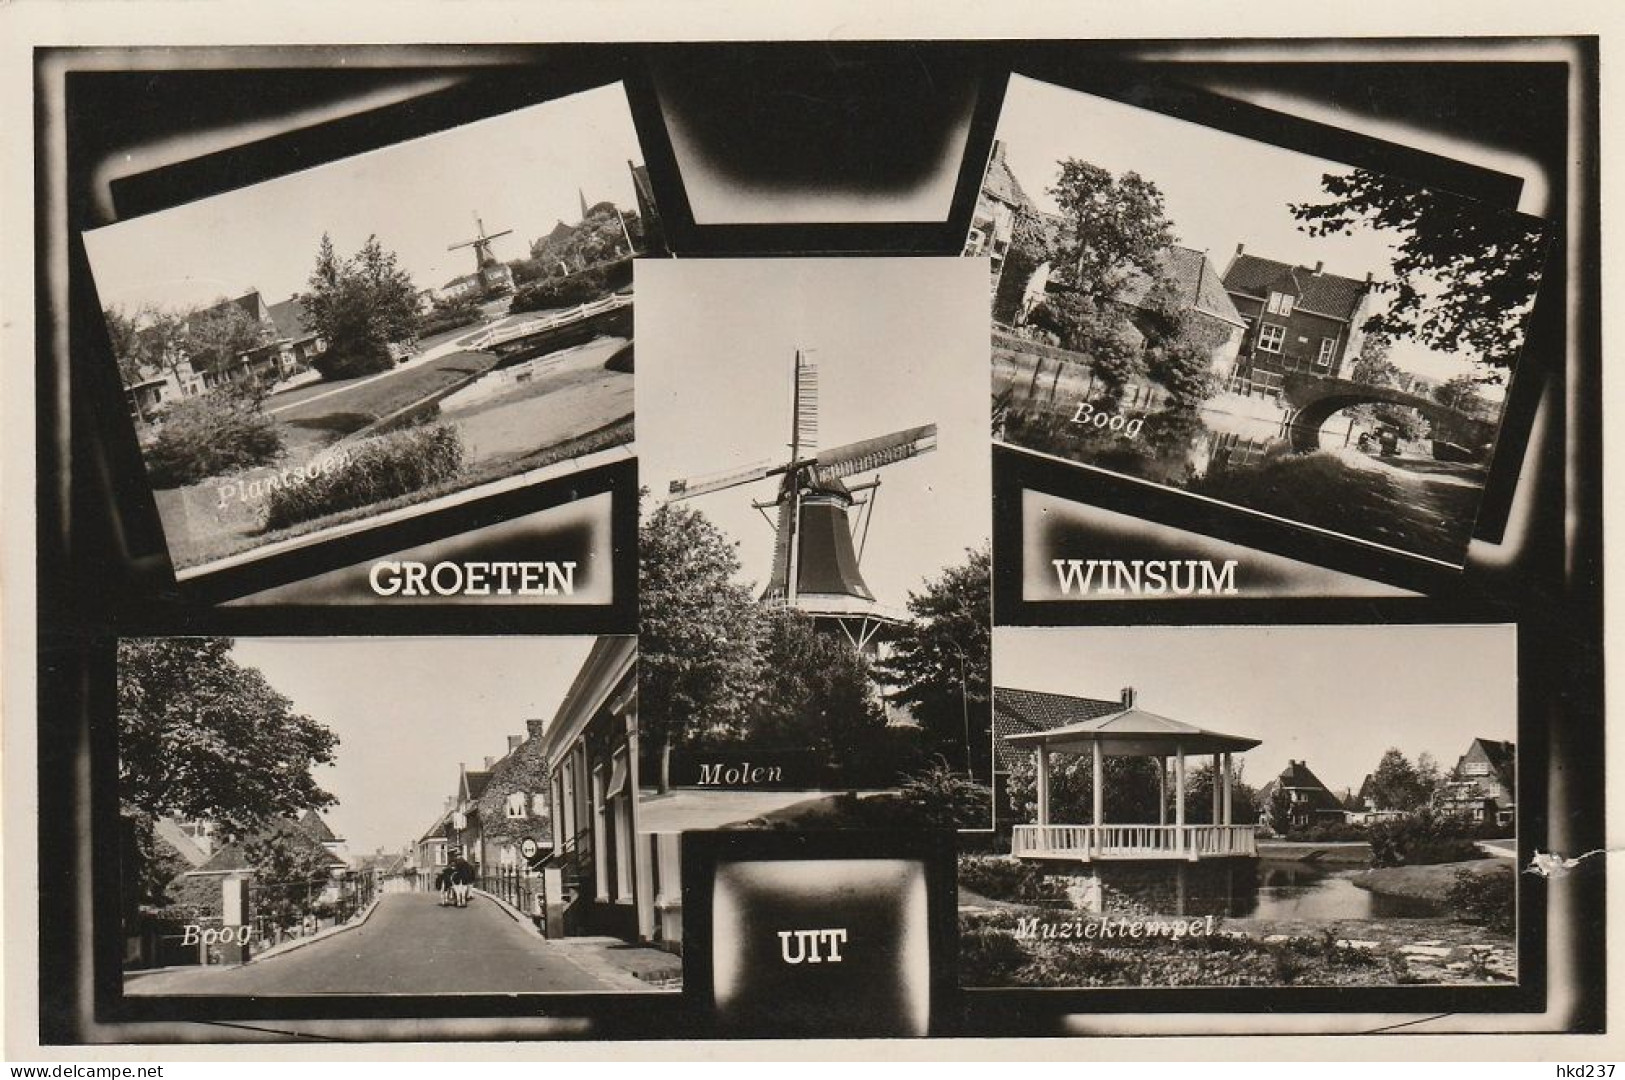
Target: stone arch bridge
{"points": [[1313, 399]]}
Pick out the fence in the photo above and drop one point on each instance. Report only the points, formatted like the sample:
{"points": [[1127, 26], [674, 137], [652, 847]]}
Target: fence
{"points": [[516, 886]]}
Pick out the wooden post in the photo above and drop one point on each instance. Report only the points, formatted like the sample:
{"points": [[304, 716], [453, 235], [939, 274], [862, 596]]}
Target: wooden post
{"points": [[1100, 787], [1215, 816], [1179, 798], [1162, 791], [1229, 775], [1043, 784]]}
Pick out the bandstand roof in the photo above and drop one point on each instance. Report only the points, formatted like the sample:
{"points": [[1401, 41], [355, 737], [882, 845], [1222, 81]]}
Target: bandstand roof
{"points": [[1134, 733]]}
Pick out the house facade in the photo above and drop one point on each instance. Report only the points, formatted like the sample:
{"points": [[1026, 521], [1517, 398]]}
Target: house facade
{"points": [[613, 877], [1024, 712], [1483, 785], [1298, 318], [1309, 802]]}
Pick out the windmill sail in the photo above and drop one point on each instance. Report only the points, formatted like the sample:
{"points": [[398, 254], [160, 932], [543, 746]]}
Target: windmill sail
{"points": [[688, 489], [866, 455]]}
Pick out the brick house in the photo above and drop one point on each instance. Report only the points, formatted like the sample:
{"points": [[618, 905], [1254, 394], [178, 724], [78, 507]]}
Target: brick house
{"points": [[1027, 712], [1197, 289], [1298, 318], [1310, 801], [1483, 785]]}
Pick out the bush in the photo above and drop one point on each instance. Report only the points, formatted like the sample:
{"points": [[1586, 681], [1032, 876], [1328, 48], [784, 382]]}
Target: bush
{"points": [[1329, 832], [449, 316], [1487, 899], [209, 435], [1424, 838], [1006, 879], [941, 798], [577, 288], [989, 953], [376, 470], [350, 361]]}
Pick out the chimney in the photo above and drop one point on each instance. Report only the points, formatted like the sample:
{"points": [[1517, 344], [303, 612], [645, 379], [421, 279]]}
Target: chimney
{"points": [[1368, 279], [1319, 266], [451, 801], [1240, 248], [534, 728], [514, 741], [998, 149], [1129, 697], [489, 761]]}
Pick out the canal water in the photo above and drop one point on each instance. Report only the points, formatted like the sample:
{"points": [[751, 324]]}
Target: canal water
{"points": [[1290, 891]]}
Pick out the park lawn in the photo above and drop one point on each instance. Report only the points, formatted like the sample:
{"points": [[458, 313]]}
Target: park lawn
{"points": [[360, 402], [1430, 882], [224, 545]]}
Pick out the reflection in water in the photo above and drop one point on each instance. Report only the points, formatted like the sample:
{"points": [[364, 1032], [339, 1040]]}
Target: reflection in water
{"points": [[1301, 891]]}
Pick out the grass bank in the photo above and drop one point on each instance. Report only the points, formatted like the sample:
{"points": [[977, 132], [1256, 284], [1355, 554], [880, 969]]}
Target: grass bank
{"points": [[1430, 882]]}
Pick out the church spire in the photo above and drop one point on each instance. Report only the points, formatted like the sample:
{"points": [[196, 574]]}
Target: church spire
{"points": [[582, 195]]}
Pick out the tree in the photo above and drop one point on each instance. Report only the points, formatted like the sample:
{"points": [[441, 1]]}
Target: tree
{"points": [[599, 237], [201, 737], [816, 692], [290, 868], [1199, 782], [1132, 792], [359, 306], [125, 337], [1097, 329], [1399, 785], [1179, 347], [1279, 810], [1115, 225], [218, 335], [1372, 366], [940, 666], [1464, 274], [1461, 394], [698, 656]]}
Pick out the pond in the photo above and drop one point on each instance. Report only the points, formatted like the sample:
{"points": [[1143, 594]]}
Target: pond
{"points": [[1294, 891]]}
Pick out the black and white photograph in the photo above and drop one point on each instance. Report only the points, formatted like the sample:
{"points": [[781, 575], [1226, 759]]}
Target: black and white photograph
{"points": [[377, 336], [814, 559], [1229, 806], [438, 827], [1327, 345]]}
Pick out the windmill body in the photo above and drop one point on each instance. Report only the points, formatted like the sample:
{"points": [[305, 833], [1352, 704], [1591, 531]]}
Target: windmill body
{"points": [[494, 275], [817, 546]]}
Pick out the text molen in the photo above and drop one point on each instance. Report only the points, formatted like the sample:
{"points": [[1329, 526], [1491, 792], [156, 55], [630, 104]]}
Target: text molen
{"points": [[1146, 577], [720, 774], [393, 577], [811, 946]]}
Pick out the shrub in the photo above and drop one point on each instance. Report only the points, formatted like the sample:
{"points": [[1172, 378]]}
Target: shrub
{"points": [[378, 469], [1421, 839], [1487, 899], [942, 798], [989, 953], [353, 359], [449, 316], [568, 291], [209, 435], [1329, 832], [1006, 879]]}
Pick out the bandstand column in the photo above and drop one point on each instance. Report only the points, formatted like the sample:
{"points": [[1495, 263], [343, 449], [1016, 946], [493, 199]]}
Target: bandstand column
{"points": [[1229, 779], [1217, 792], [1043, 784], [1179, 798], [1100, 786], [1162, 791]]}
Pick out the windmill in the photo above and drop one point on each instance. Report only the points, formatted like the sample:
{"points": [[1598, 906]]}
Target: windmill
{"points": [[815, 562], [494, 274]]}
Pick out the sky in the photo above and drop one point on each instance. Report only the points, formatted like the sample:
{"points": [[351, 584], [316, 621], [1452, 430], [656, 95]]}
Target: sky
{"points": [[1221, 189], [520, 170], [407, 711], [898, 343], [1335, 697]]}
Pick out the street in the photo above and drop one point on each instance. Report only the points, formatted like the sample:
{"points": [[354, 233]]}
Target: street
{"points": [[411, 945]]}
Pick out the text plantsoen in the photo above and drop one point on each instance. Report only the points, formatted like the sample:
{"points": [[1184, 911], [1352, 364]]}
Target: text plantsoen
{"points": [[393, 577], [1146, 577]]}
